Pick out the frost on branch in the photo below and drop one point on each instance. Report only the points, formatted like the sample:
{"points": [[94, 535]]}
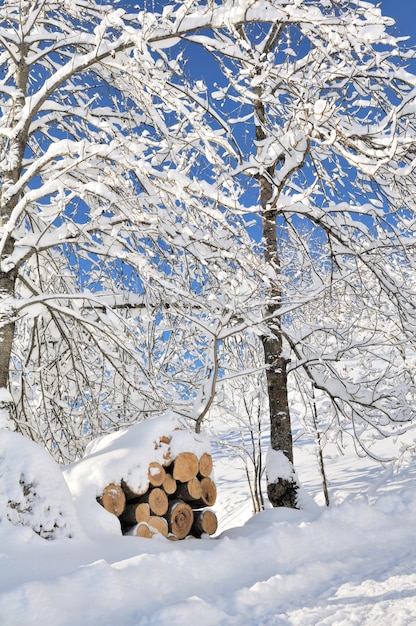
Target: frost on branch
{"points": [[110, 243]]}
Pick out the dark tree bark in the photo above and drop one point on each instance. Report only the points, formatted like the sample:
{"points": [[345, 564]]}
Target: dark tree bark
{"points": [[7, 204], [281, 491], [7, 281]]}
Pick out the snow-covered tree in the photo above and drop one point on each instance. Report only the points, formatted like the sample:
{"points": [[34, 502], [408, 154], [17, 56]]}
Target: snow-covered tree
{"points": [[321, 112], [109, 247], [133, 149]]}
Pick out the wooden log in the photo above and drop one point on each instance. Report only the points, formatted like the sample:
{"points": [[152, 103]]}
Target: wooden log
{"points": [[205, 465], [113, 499], [155, 525], [135, 513], [158, 525], [190, 491], [143, 530], [164, 441], [158, 501], [208, 495], [185, 466], [156, 474], [167, 458], [169, 468], [169, 484], [205, 522], [131, 492], [180, 518]]}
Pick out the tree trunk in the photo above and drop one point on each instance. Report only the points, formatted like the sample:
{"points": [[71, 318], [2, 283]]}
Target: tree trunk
{"points": [[7, 204], [7, 328], [282, 491]]}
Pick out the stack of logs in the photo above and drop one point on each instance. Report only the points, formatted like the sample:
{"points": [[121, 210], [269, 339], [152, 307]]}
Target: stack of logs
{"points": [[173, 503]]}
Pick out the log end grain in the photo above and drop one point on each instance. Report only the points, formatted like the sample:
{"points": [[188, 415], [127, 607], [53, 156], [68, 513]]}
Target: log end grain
{"points": [[135, 513], [156, 474], [209, 491], [158, 501], [158, 525], [180, 518], [169, 485], [185, 466], [205, 465], [205, 523], [113, 499], [143, 530], [190, 491], [132, 492]]}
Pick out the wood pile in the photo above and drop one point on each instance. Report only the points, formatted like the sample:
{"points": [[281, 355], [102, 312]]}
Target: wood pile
{"points": [[174, 501]]}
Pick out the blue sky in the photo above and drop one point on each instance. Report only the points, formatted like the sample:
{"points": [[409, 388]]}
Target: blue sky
{"points": [[403, 11]]}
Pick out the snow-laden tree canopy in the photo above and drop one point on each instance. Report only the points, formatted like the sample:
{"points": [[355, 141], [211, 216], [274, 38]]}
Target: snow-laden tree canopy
{"points": [[109, 244], [137, 143], [321, 110]]}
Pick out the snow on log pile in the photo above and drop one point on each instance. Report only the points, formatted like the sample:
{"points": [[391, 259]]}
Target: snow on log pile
{"points": [[154, 478]]}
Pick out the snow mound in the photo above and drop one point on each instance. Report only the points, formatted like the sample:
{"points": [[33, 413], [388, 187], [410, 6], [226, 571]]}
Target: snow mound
{"points": [[33, 493]]}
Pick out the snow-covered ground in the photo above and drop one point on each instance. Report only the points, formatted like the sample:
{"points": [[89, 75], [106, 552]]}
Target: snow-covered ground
{"points": [[353, 563]]}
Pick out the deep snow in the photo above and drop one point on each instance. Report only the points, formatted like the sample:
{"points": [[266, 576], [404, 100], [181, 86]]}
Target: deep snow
{"points": [[350, 564]]}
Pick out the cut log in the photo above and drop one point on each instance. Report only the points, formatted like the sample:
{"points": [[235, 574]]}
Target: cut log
{"points": [[208, 495], [158, 501], [164, 441], [135, 513], [190, 491], [185, 466], [169, 484], [205, 522], [156, 474], [180, 518], [113, 499], [205, 465], [158, 524], [167, 458], [132, 492], [143, 530]]}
